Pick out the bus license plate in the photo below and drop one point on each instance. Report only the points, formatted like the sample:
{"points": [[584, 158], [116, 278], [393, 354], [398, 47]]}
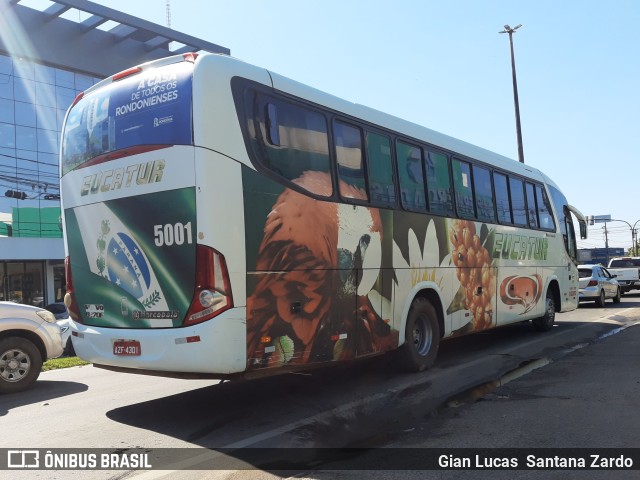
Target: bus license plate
{"points": [[126, 347]]}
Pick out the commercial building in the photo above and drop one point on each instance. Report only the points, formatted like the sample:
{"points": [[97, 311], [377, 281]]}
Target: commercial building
{"points": [[49, 52], [599, 255]]}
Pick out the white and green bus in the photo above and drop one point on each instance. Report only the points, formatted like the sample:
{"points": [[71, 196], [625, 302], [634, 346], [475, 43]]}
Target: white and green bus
{"points": [[224, 221]]}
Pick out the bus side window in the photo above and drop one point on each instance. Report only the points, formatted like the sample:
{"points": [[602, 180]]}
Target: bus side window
{"points": [[484, 194], [517, 202], [379, 162], [544, 209], [348, 145], [463, 188], [296, 141], [502, 198], [532, 211], [438, 183], [273, 132], [411, 177]]}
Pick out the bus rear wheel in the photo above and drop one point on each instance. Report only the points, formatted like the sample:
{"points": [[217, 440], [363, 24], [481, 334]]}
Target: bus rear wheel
{"points": [[422, 337], [545, 323]]}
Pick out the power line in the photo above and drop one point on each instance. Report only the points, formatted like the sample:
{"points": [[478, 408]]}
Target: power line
{"points": [[24, 159]]}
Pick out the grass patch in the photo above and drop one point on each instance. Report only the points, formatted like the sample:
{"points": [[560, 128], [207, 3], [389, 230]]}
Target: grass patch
{"points": [[62, 362]]}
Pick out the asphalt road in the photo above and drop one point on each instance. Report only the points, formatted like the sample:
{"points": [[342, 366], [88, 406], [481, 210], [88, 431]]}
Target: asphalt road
{"points": [[365, 405]]}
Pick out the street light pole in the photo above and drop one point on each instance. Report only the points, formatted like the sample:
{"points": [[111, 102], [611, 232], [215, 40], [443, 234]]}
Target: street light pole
{"points": [[510, 31], [633, 235], [634, 238]]}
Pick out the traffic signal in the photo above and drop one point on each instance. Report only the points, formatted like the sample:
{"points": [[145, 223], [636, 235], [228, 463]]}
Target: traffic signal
{"points": [[15, 194]]}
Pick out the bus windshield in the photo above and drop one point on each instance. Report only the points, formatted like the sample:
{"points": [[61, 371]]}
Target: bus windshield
{"points": [[146, 109]]}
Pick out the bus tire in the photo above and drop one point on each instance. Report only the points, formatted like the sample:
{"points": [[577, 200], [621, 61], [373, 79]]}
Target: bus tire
{"points": [[422, 337], [545, 323], [20, 364]]}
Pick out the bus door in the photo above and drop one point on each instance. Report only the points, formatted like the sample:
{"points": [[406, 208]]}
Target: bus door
{"points": [[569, 275]]}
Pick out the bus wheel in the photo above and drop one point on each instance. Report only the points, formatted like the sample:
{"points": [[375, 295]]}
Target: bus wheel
{"points": [[422, 337], [545, 323]]}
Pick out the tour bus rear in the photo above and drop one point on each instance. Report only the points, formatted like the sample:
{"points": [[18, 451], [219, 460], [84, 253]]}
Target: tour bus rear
{"points": [[141, 278]]}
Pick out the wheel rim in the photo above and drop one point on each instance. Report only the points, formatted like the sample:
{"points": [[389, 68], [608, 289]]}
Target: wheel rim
{"points": [[422, 335], [14, 365]]}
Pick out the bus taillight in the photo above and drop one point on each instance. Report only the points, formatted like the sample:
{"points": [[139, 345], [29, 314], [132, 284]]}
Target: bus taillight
{"points": [[212, 294], [69, 297], [78, 98]]}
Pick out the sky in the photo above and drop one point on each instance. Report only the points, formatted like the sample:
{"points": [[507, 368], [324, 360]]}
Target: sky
{"points": [[444, 65]]}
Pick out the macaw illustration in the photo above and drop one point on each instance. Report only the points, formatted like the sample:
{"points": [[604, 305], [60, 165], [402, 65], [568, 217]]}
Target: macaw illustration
{"points": [[317, 263]]}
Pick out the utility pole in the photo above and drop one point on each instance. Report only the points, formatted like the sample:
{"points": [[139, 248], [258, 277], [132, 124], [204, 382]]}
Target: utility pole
{"points": [[634, 236], [606, 243], [510, 31]]}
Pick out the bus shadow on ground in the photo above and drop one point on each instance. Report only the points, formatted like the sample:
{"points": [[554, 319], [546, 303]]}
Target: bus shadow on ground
{"points": [[225, 410], [226, 413], [259, 412]]}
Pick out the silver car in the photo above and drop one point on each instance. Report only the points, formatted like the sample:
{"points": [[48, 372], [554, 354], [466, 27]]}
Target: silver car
{"points": [[61, 313], [597, 284], [28, 336]]}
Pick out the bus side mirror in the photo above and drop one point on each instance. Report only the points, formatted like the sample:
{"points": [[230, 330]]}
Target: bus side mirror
{"points": [[583, 230]]}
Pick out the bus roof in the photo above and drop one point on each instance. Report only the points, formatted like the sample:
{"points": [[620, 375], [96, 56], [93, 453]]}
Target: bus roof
{"points": [[402, 127], [235, 67]]}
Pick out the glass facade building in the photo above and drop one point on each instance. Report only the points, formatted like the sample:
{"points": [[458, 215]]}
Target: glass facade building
{"points": [[33, 101], [48, 55]]}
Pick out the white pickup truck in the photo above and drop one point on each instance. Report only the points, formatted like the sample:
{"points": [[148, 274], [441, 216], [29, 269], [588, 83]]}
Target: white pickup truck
{"points": [[627, 272]]}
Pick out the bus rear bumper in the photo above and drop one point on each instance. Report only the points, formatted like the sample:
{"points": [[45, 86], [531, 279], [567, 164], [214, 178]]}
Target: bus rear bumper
{"points": [[213, 348]]}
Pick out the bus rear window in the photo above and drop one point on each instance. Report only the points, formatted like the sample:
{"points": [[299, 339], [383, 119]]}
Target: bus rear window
{"points": [[152, 108]]}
